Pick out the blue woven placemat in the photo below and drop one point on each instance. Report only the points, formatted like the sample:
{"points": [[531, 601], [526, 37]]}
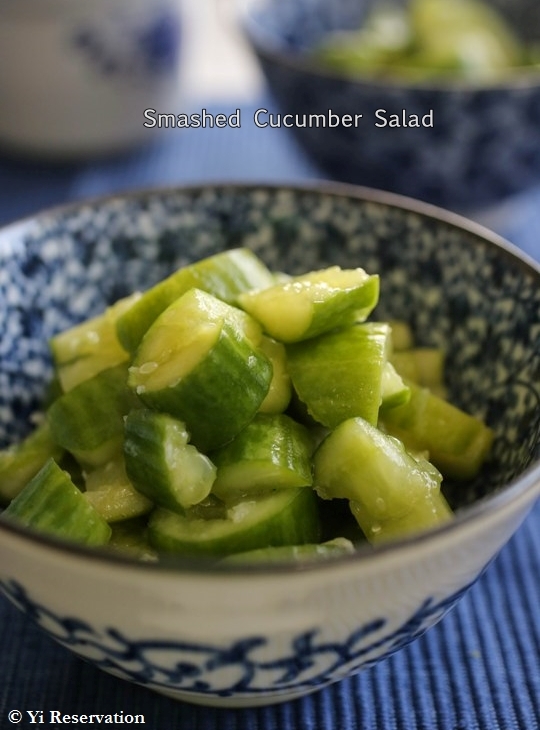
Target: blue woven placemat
{"points": [[479, 669]]}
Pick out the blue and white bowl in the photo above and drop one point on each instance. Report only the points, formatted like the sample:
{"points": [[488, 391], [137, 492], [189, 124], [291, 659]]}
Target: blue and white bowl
{"points": [[238, 636], [76, 77], [484, 144]]}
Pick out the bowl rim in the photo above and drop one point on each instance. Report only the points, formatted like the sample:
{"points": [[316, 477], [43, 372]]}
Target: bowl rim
{"points": [[517, 77], [527, 482]]}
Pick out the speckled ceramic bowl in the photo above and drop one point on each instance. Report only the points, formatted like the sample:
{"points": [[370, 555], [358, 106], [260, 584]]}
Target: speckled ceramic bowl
{"points": [[238, 637], [484, 144]]}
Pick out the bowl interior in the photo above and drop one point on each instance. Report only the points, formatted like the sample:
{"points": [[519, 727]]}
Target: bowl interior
{"points": [[458, 290], [295, 27]]}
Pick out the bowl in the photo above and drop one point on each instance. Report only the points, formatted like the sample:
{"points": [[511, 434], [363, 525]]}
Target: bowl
{"points": [[476, 143], [239, 635], [100, 65]]}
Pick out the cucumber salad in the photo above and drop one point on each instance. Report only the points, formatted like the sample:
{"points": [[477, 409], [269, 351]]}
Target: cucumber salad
{"points": [[429, 39], [236, 413]]}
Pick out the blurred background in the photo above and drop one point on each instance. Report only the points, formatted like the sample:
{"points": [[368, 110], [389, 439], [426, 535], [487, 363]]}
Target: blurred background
{"points": [[71, 123]]}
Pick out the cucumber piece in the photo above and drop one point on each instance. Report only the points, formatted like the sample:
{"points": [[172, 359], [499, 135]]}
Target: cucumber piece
{"points": [[308, 305], [292, 553], [279, 394], [380, 43], [51, 503], [200, 363], [457, 443], [339, 375], [224, 275], [160, 462], [467, 37], [426, 514], [20, 462], [85, 350], [271, 452], [112, 494], [387, 485], [394, 391], [422, 365], [89, 420], [285, 517], [402, 337]]}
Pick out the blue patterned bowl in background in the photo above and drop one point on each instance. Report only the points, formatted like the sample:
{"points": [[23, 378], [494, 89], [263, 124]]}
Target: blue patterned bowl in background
{"points": [[484, 144], [76, 77], [239, 636]]}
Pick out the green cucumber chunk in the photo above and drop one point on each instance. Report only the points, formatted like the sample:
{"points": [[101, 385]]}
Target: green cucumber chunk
{"points": [[112, 494], [271, 452], [88, 421], [402, 337], [20, 462], [464, 36], [339, 375], [284, 517], [394, 391], [279, 394], [51, 503], [458, 443], [225, 275], [374, 471], [426, 39], [426, 514], [85, 350], [200, 363], [381, 42], [423, 365], [308, 305], [162, 464], [293, 553]]}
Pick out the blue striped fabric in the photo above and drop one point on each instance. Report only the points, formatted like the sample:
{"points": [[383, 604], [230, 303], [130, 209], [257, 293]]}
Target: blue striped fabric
{"points": [[479, 669]]}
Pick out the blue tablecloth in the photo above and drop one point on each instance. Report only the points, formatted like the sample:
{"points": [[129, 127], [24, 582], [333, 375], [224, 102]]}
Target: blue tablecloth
{"points": [[479, 669]]}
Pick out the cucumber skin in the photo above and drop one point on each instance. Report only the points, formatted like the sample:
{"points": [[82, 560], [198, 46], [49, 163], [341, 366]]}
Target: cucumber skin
{"points": [[89, 420], [149, 438], [51, 503], [225, 275], [292, 520], [222, 393], [339, 375], [274, 443]]}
